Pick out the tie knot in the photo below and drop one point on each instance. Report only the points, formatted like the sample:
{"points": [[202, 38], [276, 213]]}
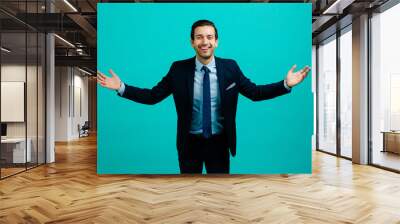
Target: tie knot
{"points": [[205, 69]]}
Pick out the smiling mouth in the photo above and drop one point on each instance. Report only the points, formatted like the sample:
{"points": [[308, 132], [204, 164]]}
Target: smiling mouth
{"points": [[204, 48]]}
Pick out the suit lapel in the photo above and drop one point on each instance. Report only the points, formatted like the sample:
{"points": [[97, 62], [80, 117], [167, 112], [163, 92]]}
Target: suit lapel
{"points": [[190, 69], [220, 76]]}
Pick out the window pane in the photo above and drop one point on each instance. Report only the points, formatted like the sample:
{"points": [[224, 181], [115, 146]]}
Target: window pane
{"points": [[346, 94], [386, 88], [327, 96]]}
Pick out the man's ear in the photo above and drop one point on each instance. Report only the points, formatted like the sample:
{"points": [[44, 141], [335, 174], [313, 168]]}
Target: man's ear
{"points": [[191, 42], [216, 43]]}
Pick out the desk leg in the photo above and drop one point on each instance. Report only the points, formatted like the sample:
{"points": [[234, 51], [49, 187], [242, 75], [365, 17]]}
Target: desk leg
{"points": [[384, 142]]}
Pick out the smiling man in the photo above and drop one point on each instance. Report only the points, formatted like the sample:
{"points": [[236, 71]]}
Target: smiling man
{"points": [[205, 89]]}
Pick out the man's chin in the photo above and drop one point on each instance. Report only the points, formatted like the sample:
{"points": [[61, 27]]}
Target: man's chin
{"points": [[206, 57]]}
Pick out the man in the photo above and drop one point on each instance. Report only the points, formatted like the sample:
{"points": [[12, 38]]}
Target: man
{"points": [[205, 90]]}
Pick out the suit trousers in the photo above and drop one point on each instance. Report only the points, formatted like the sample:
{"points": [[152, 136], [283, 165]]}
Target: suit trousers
{"points": [[212, 152]]}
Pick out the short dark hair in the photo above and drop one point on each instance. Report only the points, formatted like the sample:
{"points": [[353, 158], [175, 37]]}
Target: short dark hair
{"points": [[203, 22]]}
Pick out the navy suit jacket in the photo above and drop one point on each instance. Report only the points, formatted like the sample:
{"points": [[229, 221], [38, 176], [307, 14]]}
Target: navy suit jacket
{"points": [[179, 82]]}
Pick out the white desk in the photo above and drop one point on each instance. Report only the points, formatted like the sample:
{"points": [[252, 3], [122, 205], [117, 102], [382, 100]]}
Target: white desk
{"points": [[18, 149]]}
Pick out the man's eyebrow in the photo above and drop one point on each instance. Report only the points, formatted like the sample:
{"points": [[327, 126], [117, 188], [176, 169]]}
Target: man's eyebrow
{"points": [[204, 35]]}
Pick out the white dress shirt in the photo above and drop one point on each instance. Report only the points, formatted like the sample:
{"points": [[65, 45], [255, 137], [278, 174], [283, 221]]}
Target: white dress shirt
{"points": [[196, 126]]}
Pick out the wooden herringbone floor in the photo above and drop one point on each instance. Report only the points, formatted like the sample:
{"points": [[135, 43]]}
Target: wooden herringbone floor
{"points": [[70, 191]]}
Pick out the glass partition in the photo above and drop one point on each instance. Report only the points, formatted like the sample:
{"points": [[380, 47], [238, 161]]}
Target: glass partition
{"points": [[22, 77], [14, 151]]}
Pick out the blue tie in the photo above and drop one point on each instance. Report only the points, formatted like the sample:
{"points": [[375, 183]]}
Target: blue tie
{"points": [[206, 103]]}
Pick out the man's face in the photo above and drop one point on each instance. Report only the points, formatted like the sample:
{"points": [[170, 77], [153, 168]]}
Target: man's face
{"points": [[204, 41]]}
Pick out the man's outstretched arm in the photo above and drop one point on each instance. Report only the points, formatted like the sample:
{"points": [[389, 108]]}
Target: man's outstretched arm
{"points": [[140, 95], [269, 91]]}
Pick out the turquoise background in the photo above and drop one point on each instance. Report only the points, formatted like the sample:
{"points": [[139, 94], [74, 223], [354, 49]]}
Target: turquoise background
{"points": [[140, 42]]}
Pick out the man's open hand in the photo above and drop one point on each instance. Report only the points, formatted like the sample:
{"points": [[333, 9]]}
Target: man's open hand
{"points": [[294, 78], [113, 82]]}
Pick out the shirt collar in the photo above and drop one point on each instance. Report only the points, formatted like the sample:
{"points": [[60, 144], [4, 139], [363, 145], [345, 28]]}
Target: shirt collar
{"points": [[210, 65]]}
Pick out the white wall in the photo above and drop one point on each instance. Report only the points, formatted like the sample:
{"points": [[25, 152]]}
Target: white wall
{"points": [[12, 73], [62, 81], [80, 105], [33, 126], [71, 94]]}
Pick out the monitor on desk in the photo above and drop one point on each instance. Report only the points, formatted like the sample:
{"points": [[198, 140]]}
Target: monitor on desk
{"points": [[3, 130]]}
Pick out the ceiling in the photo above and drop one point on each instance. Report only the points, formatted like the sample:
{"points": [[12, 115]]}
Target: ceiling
{"points": [[72, 20]]}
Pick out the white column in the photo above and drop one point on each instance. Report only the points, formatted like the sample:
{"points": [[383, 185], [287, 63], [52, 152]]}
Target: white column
{"points": [[50, 92], [360, 90], [50, 100]]}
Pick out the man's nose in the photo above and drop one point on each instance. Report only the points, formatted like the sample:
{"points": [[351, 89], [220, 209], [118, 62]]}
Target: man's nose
{"points": [[204, 41]]}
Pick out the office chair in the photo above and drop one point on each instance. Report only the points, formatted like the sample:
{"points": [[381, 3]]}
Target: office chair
{"points": [[84, 130]]}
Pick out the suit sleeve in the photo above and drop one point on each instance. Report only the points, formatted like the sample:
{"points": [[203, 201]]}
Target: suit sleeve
{"points": [[150, 96], [259, 92]]}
